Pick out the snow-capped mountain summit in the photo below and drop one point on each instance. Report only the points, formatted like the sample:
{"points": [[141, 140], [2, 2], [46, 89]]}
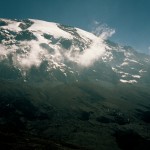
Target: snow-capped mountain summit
{"points": [[34, 50]]}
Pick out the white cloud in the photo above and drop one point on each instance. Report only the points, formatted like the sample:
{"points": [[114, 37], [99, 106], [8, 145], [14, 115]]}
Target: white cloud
{"points": [[92, 54], [102, 30], [97, 48], [32, 58], [3, 52], [149, 50]]}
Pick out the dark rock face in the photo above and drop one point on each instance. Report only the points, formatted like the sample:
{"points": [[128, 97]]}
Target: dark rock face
{"points": [[130, 140], [3, 23], [25, 24], [144, 115], [25, 36], [85, 116], [30, 142], [104, 120], [121, 120]]}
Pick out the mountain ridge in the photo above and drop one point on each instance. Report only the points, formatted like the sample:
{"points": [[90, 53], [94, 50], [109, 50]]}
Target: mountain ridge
{"points": [[66, 52]]}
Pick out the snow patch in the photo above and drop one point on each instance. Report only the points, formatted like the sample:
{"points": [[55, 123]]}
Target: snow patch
{"points": [[142, 71], [128, 81], [124, 64], [136, 76], [86, 35], [49, 28]]}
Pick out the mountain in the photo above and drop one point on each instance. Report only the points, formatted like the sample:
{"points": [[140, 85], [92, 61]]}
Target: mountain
{"points": [[53, 51], [65, 88]]}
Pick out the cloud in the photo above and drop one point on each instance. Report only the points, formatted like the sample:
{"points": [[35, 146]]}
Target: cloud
{"points": [[3, 52], [97, 48], [91, 54], [149, 50], [102, 30], [30, 57]]}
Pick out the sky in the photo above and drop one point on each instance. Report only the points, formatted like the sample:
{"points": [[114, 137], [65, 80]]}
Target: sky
{"points": [[129, 18]]}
